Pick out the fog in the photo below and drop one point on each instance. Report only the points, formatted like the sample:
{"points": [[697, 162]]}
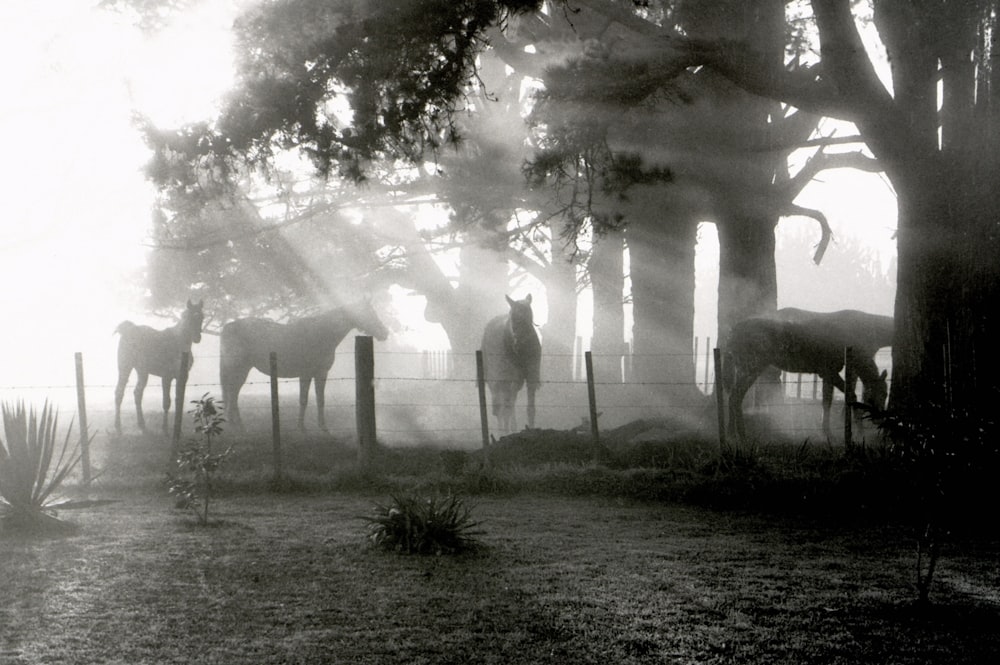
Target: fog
{"points": [[77, 212]]}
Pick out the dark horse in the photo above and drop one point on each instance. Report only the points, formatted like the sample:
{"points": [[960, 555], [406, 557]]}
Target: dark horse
{"points": [[809, 342], [304, 347], [512, 357], [156, 352]]}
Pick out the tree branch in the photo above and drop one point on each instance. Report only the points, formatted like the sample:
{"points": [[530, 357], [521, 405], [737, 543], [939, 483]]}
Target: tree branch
{"points": [[826, 234]]}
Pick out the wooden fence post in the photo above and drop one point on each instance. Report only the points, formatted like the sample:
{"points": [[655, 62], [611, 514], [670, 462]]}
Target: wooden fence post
{"points": [[595, 435], [708, 359], [696, 365], [182, 379], [720, 399], [364, 378], [275, 415], [484, 419], [848, 398], [81, 408]]}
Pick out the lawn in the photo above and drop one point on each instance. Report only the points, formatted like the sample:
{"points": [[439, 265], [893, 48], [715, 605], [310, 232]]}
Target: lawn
{"points": [[289, 578]]}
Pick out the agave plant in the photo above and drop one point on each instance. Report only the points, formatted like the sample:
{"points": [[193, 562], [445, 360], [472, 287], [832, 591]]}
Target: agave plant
{"points": [[32, 466], [416, 525]]}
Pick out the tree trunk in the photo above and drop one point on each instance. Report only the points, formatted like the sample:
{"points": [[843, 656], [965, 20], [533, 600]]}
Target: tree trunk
{"points": [[607, 279], [483, 283], [661, 254], [559, 332], [946, 300], [747, 275], [748, 286]]}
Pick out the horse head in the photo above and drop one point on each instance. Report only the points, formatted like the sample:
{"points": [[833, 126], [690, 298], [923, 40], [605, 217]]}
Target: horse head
{"points": [[522, 320], [366, 319], [875, 392], [192, 320]]}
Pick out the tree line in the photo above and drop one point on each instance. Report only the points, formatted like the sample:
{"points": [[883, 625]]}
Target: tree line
{"points": [[557, 134]]}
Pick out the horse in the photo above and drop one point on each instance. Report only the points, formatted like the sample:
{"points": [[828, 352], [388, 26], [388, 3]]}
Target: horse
{"points": [[809, 342], [512, 356], [305, 349], [156, 352]]}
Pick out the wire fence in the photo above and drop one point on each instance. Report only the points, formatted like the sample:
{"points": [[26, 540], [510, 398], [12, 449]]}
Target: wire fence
{"points": [[432, 396]]}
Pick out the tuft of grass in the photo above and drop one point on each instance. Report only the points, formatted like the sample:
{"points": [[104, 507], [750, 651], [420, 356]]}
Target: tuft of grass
{"points": [[411, 524], [32, 467]]}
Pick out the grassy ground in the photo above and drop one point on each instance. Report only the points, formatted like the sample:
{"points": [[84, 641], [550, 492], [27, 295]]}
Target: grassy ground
{"points": [[289, 579], [572, 569]]}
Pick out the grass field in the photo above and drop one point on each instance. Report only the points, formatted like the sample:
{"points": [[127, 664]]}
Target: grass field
{"points": [[287, 577]]}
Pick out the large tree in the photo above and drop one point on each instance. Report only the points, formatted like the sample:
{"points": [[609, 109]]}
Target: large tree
{"points": [[939, 151], [633, 139]]}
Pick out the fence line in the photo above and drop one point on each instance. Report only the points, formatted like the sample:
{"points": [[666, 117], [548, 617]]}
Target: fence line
{"points": [[419, 418]]}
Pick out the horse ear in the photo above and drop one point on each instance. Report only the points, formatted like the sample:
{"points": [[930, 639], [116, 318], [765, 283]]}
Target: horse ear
{"points": [[509, 301], [528, 299]]}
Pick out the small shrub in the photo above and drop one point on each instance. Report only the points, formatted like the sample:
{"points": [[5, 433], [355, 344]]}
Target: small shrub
{"points": [[196, 461], [416, 525], [951, 454], [32, 467]]}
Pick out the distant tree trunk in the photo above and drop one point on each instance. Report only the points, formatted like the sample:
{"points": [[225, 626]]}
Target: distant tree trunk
{"points": [[747, 275], [748, 285], [661, 254], [607, 279], [483, 283], [559, 332]]}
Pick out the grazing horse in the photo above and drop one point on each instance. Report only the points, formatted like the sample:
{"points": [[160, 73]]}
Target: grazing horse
{"points": [[512, 358], [304, 347], [807, 342], [156, 352]]}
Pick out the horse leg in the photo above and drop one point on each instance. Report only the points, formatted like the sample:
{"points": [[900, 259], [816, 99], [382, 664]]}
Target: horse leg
{"points": [[140, 386], [531, 405], [496, 406], [232, 380], [123, 375], [321, 402], [827, 404], [166, 401], [743, 378], [304, 382], [830, 382]]}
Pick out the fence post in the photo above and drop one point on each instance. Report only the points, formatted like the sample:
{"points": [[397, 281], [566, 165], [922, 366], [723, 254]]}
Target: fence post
{"points": [[182, 379], [848, 398], [364, 378], [484, 419], [720, 398], [696, 365], [708, 345], [595, 435], [626, 362], [275, 415], [81, 408]]}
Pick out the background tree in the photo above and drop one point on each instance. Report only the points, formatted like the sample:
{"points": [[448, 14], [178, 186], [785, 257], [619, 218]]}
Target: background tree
{"points": [[942, 166], [312, 84]]}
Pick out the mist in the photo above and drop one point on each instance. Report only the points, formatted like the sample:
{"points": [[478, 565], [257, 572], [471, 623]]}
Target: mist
{"points": [[78, 244]]}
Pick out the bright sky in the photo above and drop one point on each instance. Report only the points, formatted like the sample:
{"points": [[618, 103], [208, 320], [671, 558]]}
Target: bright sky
{"points": [[76, 205]]}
